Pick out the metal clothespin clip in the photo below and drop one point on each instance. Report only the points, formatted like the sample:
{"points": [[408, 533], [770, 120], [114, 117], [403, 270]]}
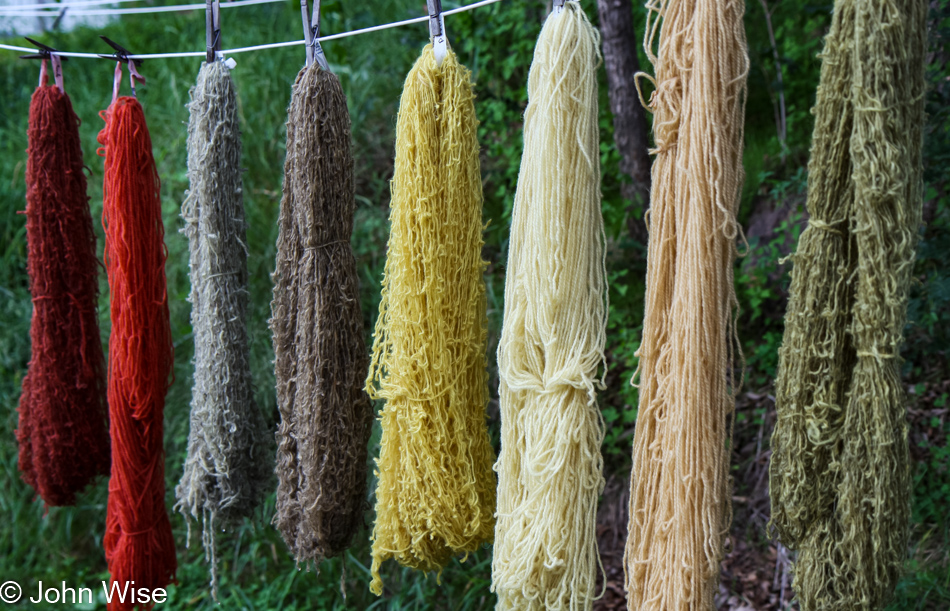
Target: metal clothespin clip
{"points": [[122, 56], [437, 30], [557, 6], [47, 53], [311, 34], [212, 29]]}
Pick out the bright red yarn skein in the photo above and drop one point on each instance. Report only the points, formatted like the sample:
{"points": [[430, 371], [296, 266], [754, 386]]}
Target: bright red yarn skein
{"points": [[138, 541], [63, 443]]}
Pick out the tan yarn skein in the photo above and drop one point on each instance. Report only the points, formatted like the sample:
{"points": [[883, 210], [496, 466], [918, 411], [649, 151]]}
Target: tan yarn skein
{"points": [[229, 452], [680, 508], [552, 342], [435, 495], [319, 346]]}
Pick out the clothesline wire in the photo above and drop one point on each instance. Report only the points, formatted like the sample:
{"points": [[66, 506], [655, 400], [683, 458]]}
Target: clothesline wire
{"points": [[272, 45], [54, 7], [171, 8]]}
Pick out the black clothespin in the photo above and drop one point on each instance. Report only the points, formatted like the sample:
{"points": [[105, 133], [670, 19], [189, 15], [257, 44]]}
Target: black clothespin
{"points": [[213, 29], [59, 18], [121, 53], [47, 53], [437, 29], [122, 56], [311, 34], [43, 51]]}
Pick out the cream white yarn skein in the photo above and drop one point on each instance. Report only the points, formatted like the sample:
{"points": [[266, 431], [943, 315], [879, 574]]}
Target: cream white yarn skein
{"points": [[554, 330]]}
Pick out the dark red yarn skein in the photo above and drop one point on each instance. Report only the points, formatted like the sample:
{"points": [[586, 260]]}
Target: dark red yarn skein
{"points": [[138, 541], [63, 443]]}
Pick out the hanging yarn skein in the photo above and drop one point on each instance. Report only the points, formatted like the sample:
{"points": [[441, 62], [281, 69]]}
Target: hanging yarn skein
{"points": [[875, 489], [138, 540], [552, 341], [680, 489], [436, 491], [817, 354], [852, 550], [63, 425], [317, 324], [228, 463]]}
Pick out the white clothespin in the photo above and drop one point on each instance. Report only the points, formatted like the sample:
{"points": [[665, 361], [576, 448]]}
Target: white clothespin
{"points": [[440, 43], [557, 7]]}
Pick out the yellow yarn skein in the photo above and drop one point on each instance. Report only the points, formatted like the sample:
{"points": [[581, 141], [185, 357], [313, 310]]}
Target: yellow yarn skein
{"points": [[552, 343], [435, 495]]}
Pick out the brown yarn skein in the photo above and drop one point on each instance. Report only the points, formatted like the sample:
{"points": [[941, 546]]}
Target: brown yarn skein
{"points": [[319, 346]]}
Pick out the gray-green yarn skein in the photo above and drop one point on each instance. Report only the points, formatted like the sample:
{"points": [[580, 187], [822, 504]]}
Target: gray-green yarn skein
{"points": [[319, 343], [229, 457]]}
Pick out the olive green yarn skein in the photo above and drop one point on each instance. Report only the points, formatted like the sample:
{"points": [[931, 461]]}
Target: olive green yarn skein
{"points": [[875, 488], [851, 525], [817, 355]]}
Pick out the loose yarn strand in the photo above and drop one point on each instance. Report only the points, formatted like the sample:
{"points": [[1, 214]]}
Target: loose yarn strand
{"points": [[435, 495], [326, 416], [227, 466], [680, 509], [138, 540], [553, 336], [62, 431]]}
